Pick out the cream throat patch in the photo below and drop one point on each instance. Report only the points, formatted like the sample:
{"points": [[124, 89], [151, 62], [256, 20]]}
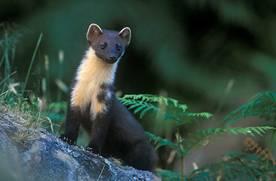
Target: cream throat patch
{"points": [[91, 75]]}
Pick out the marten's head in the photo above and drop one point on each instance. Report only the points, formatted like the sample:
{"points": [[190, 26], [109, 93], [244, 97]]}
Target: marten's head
{"points": [[108, 45]]}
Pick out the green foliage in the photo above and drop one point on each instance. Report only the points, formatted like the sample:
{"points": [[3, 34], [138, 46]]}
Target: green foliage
{"points": [[143, 103], [262, 105], [169, 175], [252, 131], [236, 166], [184, 145], [172, 110], [155, 99], [13, 95], [8, 41], [164, 108], [159, 142], [31, 63], [56, 111]]}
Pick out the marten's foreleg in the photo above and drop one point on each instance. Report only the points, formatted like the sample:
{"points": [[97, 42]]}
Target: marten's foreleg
{"points": [[72, 125], [99, 132]]}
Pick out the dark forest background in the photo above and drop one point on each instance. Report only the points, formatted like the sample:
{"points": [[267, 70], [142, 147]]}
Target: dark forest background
{"points": [[192, 50], [211, 55]]}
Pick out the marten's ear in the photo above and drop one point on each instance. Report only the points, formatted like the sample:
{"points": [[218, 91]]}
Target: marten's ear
{"points": [[125, 34], [93, 32]]}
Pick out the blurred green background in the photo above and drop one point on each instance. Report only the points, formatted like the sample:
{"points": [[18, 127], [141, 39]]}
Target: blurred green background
{"points": [[213, 55]]}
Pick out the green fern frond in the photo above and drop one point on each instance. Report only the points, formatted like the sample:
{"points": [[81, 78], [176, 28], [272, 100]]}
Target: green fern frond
{"points": [[159, 142], [161, 100], [252, 131], [139, 106], [199, 137], [168, 109], [262, 105], [184, 145], [190, 117]]}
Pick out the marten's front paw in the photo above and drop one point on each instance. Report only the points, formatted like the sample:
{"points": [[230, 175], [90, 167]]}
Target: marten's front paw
{"points": [[89, 149], [93, 148], [66, 139]]}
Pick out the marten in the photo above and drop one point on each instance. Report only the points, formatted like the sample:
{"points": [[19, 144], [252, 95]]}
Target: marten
{"points": [[114, 132]]}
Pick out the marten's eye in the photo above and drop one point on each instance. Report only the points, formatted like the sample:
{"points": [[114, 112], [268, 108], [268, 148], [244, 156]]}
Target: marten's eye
{"points": [[103, 45], [118, 47]]}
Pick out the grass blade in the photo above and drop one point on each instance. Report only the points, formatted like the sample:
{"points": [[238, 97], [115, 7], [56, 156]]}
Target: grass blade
{"points": [[32, 61]]}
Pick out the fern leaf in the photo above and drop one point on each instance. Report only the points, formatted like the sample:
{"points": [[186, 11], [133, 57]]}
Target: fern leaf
{"points": [[156, 99], [168, 109], [262, 105], [204, 115], [159, 142], [189, 117], [253, 131], [147, 109], [199, 137]]}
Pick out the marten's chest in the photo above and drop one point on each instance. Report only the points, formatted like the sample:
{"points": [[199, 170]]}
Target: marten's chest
{"points": [[96, 97], [93, 87]]}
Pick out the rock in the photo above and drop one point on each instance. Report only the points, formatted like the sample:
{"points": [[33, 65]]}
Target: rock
{"points": [[29, 153]]}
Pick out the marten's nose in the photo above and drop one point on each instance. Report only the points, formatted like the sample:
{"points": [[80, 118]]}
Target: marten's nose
{"points": [[113, 58]]}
